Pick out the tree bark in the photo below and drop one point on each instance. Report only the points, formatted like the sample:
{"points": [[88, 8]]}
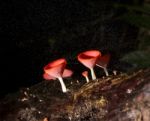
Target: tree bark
{"points": [[122, 97]]}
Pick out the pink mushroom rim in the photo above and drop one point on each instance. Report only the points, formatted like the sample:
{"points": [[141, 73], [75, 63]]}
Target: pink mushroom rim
{"points": [[66, 73], [56, 69], [48, 77], [88, 59]]}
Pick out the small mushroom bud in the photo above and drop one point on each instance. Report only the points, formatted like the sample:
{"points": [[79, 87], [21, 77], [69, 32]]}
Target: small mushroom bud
{"points": [[115, 72], [85, 74]]}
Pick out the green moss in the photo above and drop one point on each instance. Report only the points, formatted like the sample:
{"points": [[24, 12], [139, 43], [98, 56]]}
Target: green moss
{"points": [[141, 59]]}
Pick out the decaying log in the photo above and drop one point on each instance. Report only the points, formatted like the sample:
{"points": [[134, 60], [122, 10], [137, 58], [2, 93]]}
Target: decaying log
{"points": [[122, 97]]}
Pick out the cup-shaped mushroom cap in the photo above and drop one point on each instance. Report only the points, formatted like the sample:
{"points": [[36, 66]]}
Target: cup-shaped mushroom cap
{"points": [[89, 58], [56, 68], [103, 60], [85, 73]]}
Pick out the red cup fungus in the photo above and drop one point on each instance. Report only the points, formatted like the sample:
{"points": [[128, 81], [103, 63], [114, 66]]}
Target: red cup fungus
{"points": [[56, 69], [88, 59], [103, 62]]}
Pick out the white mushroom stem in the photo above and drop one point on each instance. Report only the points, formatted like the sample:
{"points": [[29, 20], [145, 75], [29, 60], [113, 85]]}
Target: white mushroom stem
{"points": [[63, 86], [105, 69], [87, 79], [106, 72], [93, 74]]}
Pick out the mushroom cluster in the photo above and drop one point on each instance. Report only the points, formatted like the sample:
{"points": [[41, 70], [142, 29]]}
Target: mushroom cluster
{"points": [[88, 59], [91, 58]]}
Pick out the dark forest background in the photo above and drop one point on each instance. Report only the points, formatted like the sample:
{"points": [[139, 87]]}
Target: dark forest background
{"points": [[34, 33]]}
